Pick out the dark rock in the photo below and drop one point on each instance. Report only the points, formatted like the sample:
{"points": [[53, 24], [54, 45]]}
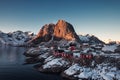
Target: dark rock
{"points": [[30, 55], [56, 69], [99, 59], [32, 60], [118, 49], [94, 40], [67, 77], [37, 66]]}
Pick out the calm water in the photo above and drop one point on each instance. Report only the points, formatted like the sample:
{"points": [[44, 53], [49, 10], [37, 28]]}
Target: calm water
{"points": [[12, 68]]}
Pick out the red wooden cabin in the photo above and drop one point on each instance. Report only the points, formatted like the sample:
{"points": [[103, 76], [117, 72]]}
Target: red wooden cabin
{"points": [[61, 53], [67, 55], [86, 56], [58, 52], [72, 48]]}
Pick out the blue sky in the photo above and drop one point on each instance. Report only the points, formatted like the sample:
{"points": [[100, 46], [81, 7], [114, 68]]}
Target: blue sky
{"points": [[98, 17]]}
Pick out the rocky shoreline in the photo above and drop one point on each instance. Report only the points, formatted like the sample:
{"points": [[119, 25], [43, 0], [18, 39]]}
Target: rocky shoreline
{"points": [[101, 67]]}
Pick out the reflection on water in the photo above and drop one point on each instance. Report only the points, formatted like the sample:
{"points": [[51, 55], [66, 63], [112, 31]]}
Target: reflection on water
{"points": [[12, 68], [11, 54]]}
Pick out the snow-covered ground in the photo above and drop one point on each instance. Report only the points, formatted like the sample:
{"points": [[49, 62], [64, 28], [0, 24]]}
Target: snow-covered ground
{"points": [[49, 59], [15, 38], [55, 62], [72, 69], [102, 66], [109, 48], [100, 72]]}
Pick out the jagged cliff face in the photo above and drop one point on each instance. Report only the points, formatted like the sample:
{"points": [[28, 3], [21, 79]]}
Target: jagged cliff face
{"points": [[46, 29], [62, 30], [45, 34]]}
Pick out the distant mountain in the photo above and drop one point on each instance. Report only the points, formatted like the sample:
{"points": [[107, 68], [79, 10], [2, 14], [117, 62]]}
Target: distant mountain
{"points": [[61, 31], [90, 39], [56, 32], [15, 38]]}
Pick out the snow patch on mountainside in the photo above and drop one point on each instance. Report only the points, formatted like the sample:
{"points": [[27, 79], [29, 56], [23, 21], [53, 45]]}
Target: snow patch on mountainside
{"points": [[84, 38], [90, 39], [15, 38], [110, 48]]}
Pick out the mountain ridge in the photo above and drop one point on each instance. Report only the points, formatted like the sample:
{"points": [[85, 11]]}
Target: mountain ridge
{"points": [[15, 38], [60, 30], [48, 33]]}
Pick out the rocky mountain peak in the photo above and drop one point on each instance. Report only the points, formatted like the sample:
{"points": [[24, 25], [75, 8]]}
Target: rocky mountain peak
{"points": [[61, 22], [64, 30], [58, 31], [46, 29]]}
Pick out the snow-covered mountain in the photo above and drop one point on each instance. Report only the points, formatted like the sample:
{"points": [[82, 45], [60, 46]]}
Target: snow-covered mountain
{"points": [[15, 38], [91, 39]]}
